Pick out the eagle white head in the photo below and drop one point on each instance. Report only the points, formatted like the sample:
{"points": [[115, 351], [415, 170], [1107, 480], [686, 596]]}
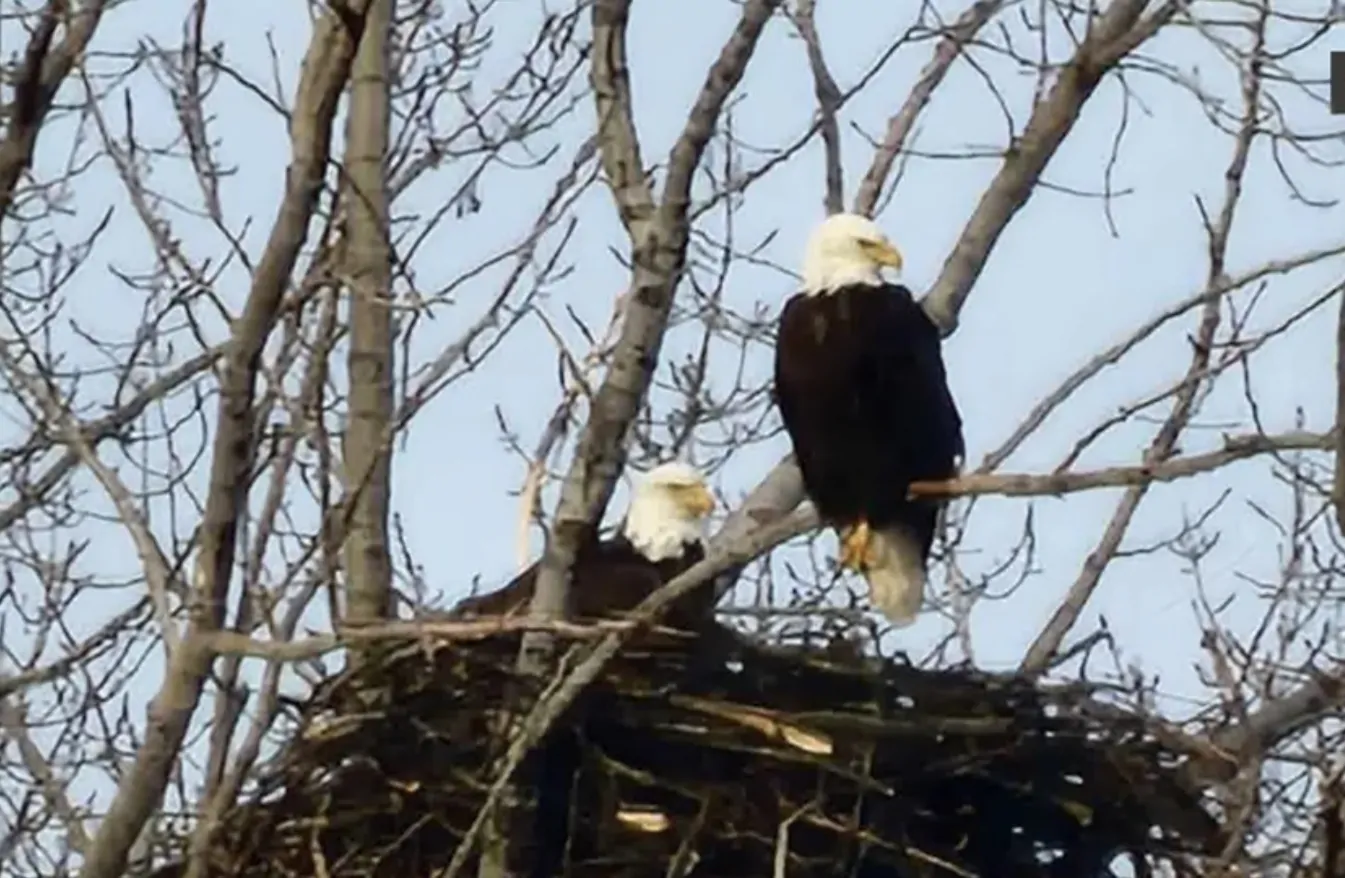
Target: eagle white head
{"points": [[847, 249], [668, 508]]}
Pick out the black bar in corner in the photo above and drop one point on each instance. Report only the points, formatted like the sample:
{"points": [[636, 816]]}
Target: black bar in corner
{"points": [[1338, 83]]}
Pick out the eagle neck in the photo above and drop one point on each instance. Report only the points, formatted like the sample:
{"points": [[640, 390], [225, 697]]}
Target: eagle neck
{"points": [[841, 277]]}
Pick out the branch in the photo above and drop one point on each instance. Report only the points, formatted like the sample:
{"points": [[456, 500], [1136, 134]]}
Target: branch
{"points": [[36, 83], [442, 630], [326, 68], [829, 99], [1116, 32], [659, 240], [1057, 484], [1338, 486], [1164, 444], [899, 127]]}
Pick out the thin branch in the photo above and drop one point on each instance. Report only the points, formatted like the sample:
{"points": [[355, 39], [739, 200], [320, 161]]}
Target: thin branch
{"points": [[829, 100], [1338, 488], [899, 127], [1170, 470]]}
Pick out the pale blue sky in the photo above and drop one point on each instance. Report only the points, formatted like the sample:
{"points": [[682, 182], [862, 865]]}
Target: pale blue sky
{"points": [[1059, 287]]}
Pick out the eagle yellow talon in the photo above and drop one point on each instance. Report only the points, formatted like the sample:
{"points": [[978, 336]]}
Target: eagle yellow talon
{"points": [[855, 547]]}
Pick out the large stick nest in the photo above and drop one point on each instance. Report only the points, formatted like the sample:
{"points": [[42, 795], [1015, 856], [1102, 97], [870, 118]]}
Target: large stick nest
{"points": [[713, 757]]}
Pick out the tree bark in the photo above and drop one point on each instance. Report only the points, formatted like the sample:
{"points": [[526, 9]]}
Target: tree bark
{"points": [[368, 276]]}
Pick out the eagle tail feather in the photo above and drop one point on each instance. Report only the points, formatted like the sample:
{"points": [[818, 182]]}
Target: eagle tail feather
{"points": [[895, 571]]}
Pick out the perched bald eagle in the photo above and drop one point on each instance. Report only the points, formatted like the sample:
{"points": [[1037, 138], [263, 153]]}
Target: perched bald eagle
{"points": [[861, 387], [662, 536]]}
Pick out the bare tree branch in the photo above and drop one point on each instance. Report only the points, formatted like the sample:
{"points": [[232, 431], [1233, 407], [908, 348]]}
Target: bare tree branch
{"points": [[900, 126], [40, 77], [1338, 488], [658, 242], [1113, 34], [828, 103], [658, 238], [1149, 473]]}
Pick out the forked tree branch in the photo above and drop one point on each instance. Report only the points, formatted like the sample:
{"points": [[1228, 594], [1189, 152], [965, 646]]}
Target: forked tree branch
{"points": [[326, 69]]}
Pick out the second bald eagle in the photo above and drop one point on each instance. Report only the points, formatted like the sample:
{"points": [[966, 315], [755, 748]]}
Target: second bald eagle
{"points": [[861, 387]]}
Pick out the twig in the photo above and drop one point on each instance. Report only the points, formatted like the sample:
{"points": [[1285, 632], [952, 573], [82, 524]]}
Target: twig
{"points": [[578, 379]]}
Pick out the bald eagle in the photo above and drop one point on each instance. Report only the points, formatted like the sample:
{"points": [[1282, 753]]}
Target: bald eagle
{"points": [[662, 536], [861, 387]]}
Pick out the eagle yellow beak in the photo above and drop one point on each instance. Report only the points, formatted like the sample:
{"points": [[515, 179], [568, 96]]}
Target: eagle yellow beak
{"points": [[883, 253], [697, 500]]}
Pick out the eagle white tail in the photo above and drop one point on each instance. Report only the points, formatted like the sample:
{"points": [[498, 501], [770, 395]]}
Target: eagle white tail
{"points": [[895, 572]]}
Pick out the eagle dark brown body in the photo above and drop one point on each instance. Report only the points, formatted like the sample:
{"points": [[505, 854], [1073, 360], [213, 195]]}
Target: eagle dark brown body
{"points": [[610, 579]]}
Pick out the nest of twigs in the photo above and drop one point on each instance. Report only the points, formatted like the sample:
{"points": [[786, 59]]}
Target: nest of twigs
{"points": [[713, 757]]}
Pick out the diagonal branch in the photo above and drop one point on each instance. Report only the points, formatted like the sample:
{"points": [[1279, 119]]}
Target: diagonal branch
{"points": [[899, 127], [1116, 32], [829, 99], [326, 68], [38, 80]]}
